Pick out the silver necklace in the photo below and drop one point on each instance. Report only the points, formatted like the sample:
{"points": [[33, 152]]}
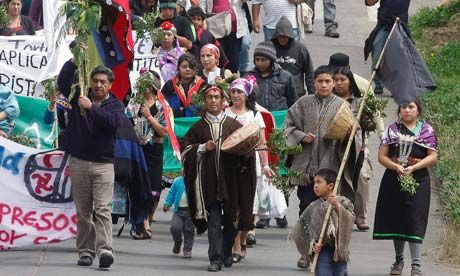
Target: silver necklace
{"points": [[405, 148]]}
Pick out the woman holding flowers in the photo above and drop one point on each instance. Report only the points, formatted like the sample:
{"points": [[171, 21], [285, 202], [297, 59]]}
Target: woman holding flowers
{"points": [[408, 148], [149, 120]]}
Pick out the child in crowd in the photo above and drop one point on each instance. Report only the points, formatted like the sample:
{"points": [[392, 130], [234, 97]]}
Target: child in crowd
{"points": [[334, 249], [170, 51], [181, 223], [203, 36]]}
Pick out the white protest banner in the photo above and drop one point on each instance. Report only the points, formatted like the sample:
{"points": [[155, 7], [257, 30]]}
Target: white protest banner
{"points": [[24, 61], [35, 203]]}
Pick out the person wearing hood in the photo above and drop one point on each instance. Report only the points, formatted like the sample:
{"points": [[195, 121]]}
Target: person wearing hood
{"points": [[293, 57], [277, 89]]}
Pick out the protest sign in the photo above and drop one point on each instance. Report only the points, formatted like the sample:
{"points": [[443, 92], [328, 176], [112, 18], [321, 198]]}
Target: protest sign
{"points": [[35, 203]]}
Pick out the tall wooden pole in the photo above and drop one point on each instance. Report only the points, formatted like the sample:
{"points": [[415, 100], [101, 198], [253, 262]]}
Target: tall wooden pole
{"points": [[347, 150]]}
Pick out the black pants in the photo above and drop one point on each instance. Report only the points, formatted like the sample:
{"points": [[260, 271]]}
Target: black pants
{"points": [[220, 238], [232, 48], [306, 196]]}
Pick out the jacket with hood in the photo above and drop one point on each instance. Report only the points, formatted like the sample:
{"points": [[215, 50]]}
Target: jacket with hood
{"points": [[276, 91], [294, 58]]}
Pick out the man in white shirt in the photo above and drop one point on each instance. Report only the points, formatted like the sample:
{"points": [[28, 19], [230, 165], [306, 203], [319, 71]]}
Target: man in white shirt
{"points": [[274, 10]]}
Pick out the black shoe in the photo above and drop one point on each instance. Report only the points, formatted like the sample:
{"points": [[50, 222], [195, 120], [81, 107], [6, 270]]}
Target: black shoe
{"points": [[176, 247], [85, 261], [214, 267], [228, 261], [378, 90], [251, 240], [282, 222], [263, 223], [105, 260], [332, 32]]}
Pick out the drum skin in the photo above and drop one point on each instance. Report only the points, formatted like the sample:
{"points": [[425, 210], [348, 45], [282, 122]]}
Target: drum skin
{"points": [[242, 141]]}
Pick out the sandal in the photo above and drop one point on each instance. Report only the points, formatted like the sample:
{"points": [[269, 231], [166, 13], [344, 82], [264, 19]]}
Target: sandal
{"points": [[236, 258], [143, 235], [243, 251]]}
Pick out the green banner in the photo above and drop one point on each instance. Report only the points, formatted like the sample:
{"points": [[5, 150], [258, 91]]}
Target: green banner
{"points": [[30, 123]]}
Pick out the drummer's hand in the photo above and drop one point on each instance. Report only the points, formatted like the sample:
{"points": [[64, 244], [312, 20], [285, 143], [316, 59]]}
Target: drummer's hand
{"points": [[309, 138], [210, 145], [268, 172], [317, 248]]}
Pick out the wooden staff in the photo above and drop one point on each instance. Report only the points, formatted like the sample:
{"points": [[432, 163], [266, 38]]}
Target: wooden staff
{"points": [[347, 150]]}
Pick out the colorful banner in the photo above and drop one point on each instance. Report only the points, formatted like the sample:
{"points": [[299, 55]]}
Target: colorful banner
{"points": [[35, 203]]}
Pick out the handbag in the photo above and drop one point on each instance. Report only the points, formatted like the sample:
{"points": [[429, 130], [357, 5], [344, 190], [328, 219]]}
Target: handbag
{"points": [[220, 24]]}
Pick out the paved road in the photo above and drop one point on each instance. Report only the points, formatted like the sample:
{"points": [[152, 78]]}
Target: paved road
{"points": [[273, 254]]}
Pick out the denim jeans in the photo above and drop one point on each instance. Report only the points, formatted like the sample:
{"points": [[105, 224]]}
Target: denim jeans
{"points": [[268, 33], [329, 10], [326, 265], [244, 54], [377, 47]]}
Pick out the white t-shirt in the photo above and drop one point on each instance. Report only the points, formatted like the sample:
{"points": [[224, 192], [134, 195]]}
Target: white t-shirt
{"points": [[275, 9], [183, 200]]}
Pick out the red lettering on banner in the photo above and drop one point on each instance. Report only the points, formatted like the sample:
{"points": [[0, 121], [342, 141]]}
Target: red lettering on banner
{"points": [[47, 159], [42, 183], [65, 220], [44, 218], [4, 210], [72, 229], [17, 213], [42, 240], [29, 218], [10, 237]]}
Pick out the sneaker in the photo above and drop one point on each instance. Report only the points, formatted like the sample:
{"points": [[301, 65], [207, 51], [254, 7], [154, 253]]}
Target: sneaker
{"points": [[85, 261], [332, 32], [187, 254], [416, 270], [308, 29], [282, 222], [251, 239], [105, 260], [397, 268], [303, 264], [176, 247], [263, 223]]}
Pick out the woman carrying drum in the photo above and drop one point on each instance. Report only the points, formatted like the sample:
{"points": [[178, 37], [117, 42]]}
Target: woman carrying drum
{"points": [[242, 108]]}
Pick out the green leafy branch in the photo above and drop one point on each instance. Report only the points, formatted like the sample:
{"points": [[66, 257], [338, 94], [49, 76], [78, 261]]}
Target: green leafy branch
{"points": [[375, 106], [408, 183], [3, 16], [144, 84], [22, 139], [50, 88], [146, 29]]}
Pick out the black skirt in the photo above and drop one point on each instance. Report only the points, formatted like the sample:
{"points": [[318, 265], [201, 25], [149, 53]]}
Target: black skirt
{"points": [[398, 215], [154, 158]]}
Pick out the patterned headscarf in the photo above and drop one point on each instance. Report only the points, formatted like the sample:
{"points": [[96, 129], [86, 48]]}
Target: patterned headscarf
{"points": [[213, 49], [242, 84]]}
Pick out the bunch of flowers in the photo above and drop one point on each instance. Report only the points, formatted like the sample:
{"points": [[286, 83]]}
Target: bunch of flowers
{"points": [[50, 88], [22, 139], [408, 184]]}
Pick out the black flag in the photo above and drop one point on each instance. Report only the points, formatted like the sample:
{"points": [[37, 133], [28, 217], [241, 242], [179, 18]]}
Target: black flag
{"points": [[403, 70]]}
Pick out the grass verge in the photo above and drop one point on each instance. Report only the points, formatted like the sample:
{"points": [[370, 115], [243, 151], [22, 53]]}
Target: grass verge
{"points": [[443, 110]]}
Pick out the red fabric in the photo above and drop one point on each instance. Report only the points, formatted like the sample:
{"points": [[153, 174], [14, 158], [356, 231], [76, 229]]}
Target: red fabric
{"points": [[270, 123], [172, 136], [123, 32]]}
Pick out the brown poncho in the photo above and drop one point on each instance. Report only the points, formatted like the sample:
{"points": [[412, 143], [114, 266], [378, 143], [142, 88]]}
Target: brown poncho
{"points": [[216, 176], [307, 230]]}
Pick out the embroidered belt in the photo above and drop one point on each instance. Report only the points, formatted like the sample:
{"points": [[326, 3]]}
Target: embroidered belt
{"points": [[410, 161]]}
